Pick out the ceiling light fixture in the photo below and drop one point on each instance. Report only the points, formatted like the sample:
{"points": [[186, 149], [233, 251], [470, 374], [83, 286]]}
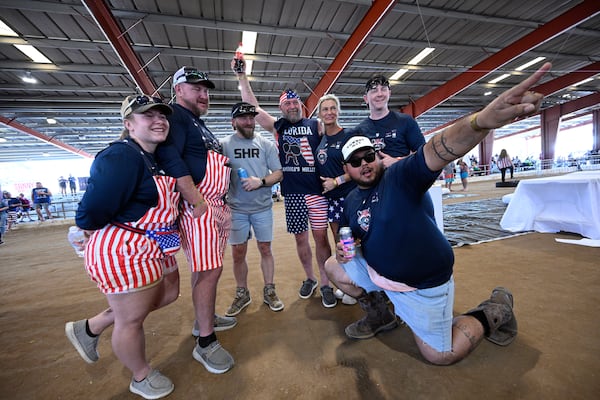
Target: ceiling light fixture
{"points": [[51, 121], [414, 61], [28, 78], [530, 63], [2, 140], [33, 53], [5, 30], [583, 81], [498, 79], [249, 47], [487, 93]]}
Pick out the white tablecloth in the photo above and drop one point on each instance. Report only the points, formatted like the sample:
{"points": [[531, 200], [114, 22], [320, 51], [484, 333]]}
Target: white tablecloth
{"points": [[569, 203]]}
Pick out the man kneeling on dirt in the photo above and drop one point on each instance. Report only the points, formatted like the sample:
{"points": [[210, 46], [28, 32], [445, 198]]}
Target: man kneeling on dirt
{"points": [[402, 251]]}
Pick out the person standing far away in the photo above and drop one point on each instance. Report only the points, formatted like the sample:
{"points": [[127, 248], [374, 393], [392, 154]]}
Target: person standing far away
{"points": [[504, 162], [251, 204], [62, 183], [464, 173], [41, 198], [394, 134], [297, 139], [403, 252], [72, 185], [194, 156], [128, 200]]}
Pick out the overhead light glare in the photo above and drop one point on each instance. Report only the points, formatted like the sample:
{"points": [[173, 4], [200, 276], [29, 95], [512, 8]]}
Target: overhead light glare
{"points": [[5, 30], [46, 154], [499, 78], [249, 47], [2, 140], [51, 121], [487, 93], [413, 61], [29, 79], [530, 63], [33, 53], [583, 81]]}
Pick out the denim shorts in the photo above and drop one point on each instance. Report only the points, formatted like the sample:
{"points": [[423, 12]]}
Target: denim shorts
{"points": [[261, 223], [428, 312]]}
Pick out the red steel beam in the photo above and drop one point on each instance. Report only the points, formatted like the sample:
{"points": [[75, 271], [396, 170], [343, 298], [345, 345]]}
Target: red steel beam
{"points": [[553, 28], [569, 79], [13, 124], [376, 13], [110, 28]]}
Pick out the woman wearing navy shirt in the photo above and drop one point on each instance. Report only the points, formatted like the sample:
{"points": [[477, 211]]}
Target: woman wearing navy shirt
{"points": [[127, 211]]}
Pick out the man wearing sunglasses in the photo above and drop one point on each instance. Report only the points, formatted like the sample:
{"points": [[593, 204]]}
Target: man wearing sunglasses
{"points": [[297, 139], [402, 251], [194, 156], [393, 134], [251, 204]]}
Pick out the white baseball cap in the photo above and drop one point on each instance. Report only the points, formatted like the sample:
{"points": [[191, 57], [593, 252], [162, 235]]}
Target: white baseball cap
{"points": [[356, 143]]}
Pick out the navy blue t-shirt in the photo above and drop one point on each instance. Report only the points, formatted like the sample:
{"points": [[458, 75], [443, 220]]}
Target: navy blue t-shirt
{"points": [[330, 162], [121, 188], [297, 144], [186, 148], [396, 134], [396, 224]]}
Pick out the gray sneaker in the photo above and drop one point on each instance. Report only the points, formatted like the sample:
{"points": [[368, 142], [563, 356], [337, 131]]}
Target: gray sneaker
{"points": [[327, 297], [271, 299], [214, 357], [154, 386], [221, 323], [308, 288], [240, 301], [85, 345]]}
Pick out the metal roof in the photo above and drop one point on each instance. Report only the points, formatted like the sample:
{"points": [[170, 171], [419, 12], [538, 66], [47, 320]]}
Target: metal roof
{"points": [[102, 51]]}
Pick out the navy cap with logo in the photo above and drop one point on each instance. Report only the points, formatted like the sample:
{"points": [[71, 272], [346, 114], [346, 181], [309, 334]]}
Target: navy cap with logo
{"points": [[377, 80], [191, 75], [243, 108]]}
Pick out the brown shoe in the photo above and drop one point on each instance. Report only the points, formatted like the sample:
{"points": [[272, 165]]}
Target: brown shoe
{"points": [[379, 318]]}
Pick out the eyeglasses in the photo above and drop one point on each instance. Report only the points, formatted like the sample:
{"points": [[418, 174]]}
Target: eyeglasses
{"points": [[244, 109], [356, 162]]}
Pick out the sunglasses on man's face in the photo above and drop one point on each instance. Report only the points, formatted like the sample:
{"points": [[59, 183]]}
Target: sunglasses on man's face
{"points": [[356, 162], [195, 75], [377, 82]]}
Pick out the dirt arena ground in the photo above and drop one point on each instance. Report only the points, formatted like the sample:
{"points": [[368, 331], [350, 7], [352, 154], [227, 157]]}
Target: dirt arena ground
{"points": [[302, 352]]}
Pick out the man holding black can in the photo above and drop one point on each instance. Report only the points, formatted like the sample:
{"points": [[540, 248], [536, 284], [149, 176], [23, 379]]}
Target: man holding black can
{"points": [[251, 204]]}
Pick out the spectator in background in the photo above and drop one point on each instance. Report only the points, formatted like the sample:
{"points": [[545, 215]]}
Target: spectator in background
{"points": [[25, 207], [62, 183], [448, 172], [3, 215], [464, 173], [41, 197], [72, 185], [504, 163], [13, 210]]}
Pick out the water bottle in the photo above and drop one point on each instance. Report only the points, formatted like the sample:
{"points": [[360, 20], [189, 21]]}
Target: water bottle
{"points": [[76, 238], [239, 66], [242, 173], [347, 242]]}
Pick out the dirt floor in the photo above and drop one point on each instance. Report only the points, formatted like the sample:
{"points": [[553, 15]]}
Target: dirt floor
{"points": [[302, 352]]}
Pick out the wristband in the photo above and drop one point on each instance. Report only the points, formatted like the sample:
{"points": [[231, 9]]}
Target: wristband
{"points": [[474, 125], [264, 182], [335, 183]]}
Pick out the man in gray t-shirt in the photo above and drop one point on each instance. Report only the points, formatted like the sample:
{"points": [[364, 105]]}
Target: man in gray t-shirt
{"points": [[251, 203]]}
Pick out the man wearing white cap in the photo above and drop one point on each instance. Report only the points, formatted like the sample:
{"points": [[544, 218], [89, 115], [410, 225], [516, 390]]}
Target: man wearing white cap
{"points": [[297, 140], [403, 252], [194, 156]]}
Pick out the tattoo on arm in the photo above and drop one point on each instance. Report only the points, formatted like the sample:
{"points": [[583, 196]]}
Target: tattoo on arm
{"points": [[442, 150]]}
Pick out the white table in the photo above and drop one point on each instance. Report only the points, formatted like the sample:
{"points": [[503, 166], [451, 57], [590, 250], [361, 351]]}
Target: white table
{"points": [[569, 203]]}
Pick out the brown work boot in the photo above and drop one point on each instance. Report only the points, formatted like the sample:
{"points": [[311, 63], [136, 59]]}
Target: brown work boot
{"points": [[379, 317], [498, 311]]}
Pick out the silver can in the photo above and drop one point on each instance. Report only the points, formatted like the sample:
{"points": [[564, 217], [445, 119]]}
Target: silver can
{"points": [[347, 242]]}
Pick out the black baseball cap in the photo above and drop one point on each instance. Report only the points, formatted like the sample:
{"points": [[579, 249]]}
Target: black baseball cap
{"points": [[243, 108]]}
